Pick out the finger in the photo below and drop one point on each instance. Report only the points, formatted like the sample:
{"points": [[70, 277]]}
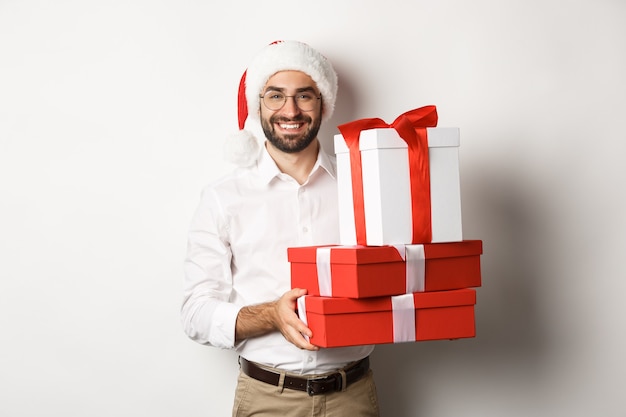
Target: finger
{"points": [[309, 346], [295, 322], [296, 293], [303, 329], [300, 341]]}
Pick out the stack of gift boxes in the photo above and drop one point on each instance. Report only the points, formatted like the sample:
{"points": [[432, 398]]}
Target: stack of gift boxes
{"points": [[401, 271]]}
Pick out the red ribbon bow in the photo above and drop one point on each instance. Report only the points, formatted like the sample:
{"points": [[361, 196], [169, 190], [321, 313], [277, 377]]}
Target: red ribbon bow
{"points": [[411, 126]]}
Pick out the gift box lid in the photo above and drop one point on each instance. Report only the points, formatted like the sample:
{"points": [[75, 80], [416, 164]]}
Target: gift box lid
{"points": [[360, 255], [388, 138], [422, 300]]}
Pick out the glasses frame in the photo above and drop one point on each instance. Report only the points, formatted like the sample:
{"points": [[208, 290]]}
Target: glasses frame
{"points": [[262, 97]]}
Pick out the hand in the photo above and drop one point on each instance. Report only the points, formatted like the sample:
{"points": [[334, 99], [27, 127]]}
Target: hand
{"points": [[260, 319], [288, 322]]}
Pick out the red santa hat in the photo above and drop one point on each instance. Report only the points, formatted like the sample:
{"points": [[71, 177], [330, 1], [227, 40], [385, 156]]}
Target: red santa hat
{"points": [[243, 147]]}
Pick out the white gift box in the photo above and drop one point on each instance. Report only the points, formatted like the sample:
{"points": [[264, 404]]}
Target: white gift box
{"points": [[387, 187]]}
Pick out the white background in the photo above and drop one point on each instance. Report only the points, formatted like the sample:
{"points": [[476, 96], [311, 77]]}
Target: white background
{"points": [[112, 118]]}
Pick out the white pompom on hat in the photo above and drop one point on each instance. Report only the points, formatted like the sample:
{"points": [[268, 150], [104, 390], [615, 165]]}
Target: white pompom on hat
{"points": [[243, 147]]}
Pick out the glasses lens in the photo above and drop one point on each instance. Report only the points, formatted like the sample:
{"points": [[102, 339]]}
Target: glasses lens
{"points": [[274, 100], [306, 101]]}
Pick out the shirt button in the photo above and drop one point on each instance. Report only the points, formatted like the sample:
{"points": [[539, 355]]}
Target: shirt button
{"points": [[310, 359], [305, 230]]}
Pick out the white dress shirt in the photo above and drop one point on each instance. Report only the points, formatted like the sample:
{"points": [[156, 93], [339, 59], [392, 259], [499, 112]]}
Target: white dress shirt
{"points": [[237, 256]]}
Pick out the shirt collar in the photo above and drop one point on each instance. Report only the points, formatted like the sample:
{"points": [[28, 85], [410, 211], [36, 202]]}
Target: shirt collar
{"points": [[268, 169]]}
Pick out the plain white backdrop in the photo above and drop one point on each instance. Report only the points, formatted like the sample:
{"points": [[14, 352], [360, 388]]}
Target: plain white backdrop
{"points": [[112, 118]]}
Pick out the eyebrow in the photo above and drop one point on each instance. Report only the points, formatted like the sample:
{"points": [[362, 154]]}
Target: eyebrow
{"points": [[298, 90]]}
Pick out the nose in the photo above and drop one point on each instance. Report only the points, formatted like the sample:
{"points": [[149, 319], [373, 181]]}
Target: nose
{"points": [[291, 107]]}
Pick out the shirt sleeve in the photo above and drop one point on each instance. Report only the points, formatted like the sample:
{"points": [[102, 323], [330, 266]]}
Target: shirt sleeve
{"points": [[207, 315]]}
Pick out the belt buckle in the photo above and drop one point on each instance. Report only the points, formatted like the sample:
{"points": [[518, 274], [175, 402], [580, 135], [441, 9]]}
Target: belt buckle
{"points": [[310, 389]]}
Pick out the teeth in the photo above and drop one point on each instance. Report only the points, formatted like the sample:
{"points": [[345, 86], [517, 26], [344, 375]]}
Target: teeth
{"points": [[286, 126]]}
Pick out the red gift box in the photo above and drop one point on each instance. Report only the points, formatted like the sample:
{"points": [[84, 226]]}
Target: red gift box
{"points": [[423, 316], [373, 271]]}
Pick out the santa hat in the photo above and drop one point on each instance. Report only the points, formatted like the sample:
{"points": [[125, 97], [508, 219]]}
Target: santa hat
{"points": [[243, 147]]}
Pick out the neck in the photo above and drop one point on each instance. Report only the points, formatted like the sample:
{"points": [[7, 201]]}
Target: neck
{"points": [[297, 165]]}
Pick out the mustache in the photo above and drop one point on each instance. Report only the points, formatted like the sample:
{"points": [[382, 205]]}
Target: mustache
{"points": [[282, 119]]}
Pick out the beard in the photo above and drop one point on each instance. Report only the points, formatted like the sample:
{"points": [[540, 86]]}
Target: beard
{"points": [[290, 143]]}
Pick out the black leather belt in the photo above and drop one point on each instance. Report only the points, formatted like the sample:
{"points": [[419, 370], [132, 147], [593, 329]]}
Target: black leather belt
{"points": [[312, 385]]}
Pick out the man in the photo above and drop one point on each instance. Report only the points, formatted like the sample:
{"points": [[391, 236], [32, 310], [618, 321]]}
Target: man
{"points": [[237, 292]]}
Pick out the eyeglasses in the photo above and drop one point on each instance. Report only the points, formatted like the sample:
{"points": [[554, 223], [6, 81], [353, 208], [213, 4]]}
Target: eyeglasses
{"points": [[275, 100]]}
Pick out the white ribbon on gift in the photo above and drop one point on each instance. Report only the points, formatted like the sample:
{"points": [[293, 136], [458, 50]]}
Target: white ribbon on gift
{"points": [[301, 303], [403, 311], [324, 279], [415, 260]]}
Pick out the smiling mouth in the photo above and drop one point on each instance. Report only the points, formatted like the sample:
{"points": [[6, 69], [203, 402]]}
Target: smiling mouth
{"points": [[290, 126]]}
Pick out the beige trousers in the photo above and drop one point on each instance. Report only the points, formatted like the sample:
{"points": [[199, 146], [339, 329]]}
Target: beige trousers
{"points": [[259, 399]]}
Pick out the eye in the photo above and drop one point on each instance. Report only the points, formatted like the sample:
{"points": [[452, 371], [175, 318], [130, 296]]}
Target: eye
{"points": [[304, 97], [274, 96]]}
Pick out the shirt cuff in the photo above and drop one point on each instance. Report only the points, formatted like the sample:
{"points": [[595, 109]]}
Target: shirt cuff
{"points": [[223, 325]]}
